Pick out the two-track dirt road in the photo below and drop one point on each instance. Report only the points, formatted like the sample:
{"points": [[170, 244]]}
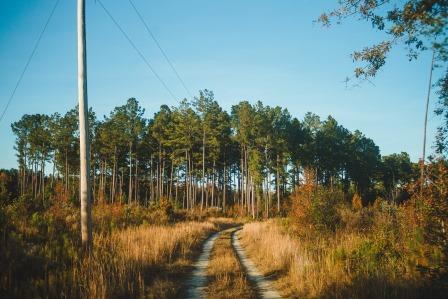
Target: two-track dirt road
{"points": [[223, 270]]}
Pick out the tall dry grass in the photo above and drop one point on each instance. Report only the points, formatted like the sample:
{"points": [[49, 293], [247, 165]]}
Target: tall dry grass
{"points": [[137, 252], [278, 254], [327, 248], [327, 267], [134, 262]]}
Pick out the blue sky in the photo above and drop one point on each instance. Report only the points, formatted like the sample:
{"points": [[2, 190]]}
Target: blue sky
{"points": [[266, 50]]}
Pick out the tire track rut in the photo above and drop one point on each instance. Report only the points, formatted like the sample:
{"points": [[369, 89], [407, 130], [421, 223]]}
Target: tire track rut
{"points": [[197, 284], [264, 287]]}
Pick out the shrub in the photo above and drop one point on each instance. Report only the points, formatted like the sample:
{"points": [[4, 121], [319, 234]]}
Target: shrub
{"points": [[316, 208], [162, 212], [356, 202]]}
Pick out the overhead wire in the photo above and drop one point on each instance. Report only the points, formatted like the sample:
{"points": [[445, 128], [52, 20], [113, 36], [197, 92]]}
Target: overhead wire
{"points": [[36, 45], [136, 49], [151, 34]]}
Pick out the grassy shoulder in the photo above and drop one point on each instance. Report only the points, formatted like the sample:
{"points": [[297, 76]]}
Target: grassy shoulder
{"points": [[137, 252], [226, 277], [348, 251], [271, 261]]}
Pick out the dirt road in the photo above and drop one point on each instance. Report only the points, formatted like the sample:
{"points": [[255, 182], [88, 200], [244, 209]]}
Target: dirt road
{"points": [[223, 270]]}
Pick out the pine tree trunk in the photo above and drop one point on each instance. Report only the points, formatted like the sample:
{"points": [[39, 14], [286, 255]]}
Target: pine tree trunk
{"points": [[66, 173], [121, 186], [241, 179], [42, 179], [33, 180], [171, 182], [187, 182], [104, 182], [159, 174], [68, 182], [190, 183], [206, 192], [177, 184], [163, 178], [157, 180], [24, 174], [93, 198], [53, 172], [213, 185], [203, 168], [237, 180], [193, 183], [151, 183], [100, 177], [248, 192], [136, 180], [130, 173], [73, 184], [278, 185], [253, 198], [114, 175], [195, 192], [224, 188]]}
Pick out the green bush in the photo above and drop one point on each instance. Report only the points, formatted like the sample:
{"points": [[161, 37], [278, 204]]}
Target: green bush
{"points": [[38, 245], [324, 213], [316, 208], [162, 212]]}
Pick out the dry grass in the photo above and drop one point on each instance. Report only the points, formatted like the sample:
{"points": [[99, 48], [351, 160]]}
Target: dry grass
{"points": [[274, 253], [134, 254], [324, 267], [145, 262], [226, 276]]}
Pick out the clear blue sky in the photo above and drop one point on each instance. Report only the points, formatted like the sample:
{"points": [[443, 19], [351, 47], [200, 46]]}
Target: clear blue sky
{"points": [[267, 50]]}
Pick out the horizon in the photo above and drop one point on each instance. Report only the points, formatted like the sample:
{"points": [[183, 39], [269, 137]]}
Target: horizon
{"points": [[246, 58]]}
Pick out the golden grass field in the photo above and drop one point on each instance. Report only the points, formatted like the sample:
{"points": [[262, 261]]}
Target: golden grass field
{"points": [[144, 261], [322, 267]]}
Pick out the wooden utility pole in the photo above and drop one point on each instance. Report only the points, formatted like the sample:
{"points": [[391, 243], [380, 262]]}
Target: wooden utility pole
{"points": [[422, 175], [84, 153]]}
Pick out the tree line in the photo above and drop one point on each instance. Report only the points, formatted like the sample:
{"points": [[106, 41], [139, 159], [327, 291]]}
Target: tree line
{"points": [[197, 155]]}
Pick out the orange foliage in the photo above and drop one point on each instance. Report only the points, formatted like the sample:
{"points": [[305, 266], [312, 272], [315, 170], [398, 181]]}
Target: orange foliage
{"points": [[357, 202], [3, 177], [301, 200]]}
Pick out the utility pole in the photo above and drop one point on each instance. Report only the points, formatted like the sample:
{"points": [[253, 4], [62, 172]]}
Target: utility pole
{"points": [[84, 153], [422, 175]]}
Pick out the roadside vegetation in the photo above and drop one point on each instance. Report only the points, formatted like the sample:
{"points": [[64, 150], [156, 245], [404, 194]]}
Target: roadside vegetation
{"points": [[329, 247], [137, 252]]}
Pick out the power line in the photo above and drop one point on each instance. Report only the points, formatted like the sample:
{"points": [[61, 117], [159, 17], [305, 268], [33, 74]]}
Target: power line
{"points": [[136, 49], [160, 47], [36, 45]]}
